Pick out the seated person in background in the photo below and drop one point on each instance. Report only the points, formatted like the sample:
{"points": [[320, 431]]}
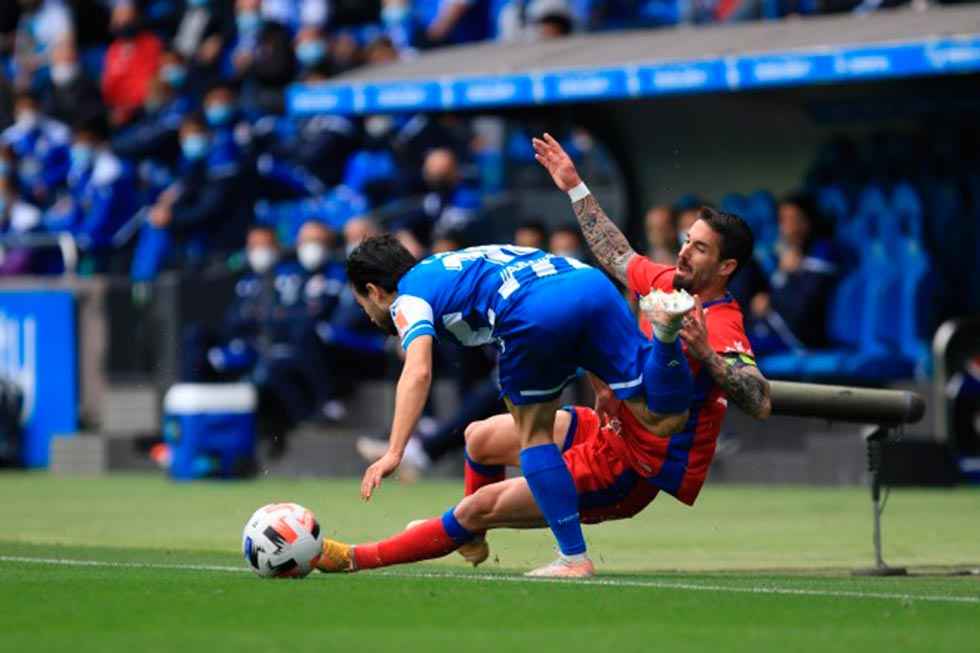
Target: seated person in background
{"points": [[254, 343], [791, 313], [531, 233], [663, 243], [205, 209], [154, 138], [40, 148], [100, 198], [349, 347], [566, 241], [16, 217], [69, 94], [131, 64], [450, 203], [324, 282]]}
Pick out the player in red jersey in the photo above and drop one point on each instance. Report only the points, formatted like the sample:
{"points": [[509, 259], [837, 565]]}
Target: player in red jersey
{"points": [[618, 466]]}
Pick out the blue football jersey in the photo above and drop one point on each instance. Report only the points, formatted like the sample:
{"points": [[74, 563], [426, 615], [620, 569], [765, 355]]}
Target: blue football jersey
{"points": [[459, 295]]}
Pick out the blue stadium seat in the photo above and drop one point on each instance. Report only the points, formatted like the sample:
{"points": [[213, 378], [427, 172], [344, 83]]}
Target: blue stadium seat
{"points": [[907, 206], [867, 321], [832, 204], [759, 212]]}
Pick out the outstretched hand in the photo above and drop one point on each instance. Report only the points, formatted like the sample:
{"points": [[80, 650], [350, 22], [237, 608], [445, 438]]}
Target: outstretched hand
{"points": [[556, 161], [381, 468]]}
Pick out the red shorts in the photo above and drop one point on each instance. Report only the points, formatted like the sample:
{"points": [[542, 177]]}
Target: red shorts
{"points": [[608, 488]]}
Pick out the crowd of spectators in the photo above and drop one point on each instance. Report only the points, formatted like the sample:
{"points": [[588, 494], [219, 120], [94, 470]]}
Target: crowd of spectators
{"points": [[153, 132]]}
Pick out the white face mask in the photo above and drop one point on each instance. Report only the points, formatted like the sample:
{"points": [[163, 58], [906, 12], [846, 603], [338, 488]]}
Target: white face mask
{"points": [[311, 255], [62, 73], [261, 259]]}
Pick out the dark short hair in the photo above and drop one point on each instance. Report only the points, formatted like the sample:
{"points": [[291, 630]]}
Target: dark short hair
{"points": [[380, 260], [94, 125], [534, 225], [195, 119], [737, 241], [567, 229]]}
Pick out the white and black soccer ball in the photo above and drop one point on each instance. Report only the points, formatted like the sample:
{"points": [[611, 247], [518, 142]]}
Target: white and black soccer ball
{"points": [[282, 540]]}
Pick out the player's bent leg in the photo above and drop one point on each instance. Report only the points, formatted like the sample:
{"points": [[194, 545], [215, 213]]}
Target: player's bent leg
{"points": [[495, 442], [667, 380], [490, 445], [549, 479]]}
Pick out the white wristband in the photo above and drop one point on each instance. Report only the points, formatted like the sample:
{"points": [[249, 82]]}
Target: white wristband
{"points": [[579, 192]]}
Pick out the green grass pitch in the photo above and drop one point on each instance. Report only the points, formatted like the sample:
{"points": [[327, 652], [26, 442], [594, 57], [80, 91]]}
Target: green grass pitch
{"points": [[137, 563]]}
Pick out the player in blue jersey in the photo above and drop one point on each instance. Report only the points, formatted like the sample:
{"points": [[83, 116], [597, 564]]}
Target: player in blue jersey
{"points": [[549, 316]]}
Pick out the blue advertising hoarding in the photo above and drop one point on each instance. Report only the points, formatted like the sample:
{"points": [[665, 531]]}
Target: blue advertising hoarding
{"points": [[934, 56], [38, 352]]}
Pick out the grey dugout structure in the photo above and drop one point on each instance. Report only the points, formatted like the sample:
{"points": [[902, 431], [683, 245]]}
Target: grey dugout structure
{"points": [[885, 412]]}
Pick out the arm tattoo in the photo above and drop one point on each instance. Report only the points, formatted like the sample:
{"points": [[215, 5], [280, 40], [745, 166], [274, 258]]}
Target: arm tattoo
{"points": [[743, 384], [607, 242]]}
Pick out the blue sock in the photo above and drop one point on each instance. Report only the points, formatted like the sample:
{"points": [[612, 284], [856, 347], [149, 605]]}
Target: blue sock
{"points": [[667, 379], [454, 529], [554, 491]]}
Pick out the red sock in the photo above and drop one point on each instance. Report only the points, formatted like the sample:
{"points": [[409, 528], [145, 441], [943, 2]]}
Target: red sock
{"points": [[423, 542], [477, 475]]}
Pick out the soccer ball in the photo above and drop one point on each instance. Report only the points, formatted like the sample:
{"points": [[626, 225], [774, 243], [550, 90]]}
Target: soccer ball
{"points": [[282, 540]]}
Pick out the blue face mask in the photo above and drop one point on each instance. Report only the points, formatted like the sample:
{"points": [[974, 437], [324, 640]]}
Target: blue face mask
{"points": [[81, 156], [248, 21], [394, 14], [174, 75], [310, 52], [194, 146], [218, 114]]}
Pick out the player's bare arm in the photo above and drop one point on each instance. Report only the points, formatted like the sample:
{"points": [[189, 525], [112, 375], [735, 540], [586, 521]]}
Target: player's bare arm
{"points": [[410, 396], [742, 383], [606, 241]]}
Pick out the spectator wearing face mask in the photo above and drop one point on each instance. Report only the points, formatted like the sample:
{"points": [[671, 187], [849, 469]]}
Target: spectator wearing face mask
{"points": [[450, 203], [131, 64], [311, 48], [100, 198], [16, 217], [40, 147], [154, 138], [229, 129], [323, 287], [253, 343], [69, 93], [204, 211]]}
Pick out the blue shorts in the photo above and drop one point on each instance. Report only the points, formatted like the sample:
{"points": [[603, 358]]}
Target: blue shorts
{"points": [[562, 323]]}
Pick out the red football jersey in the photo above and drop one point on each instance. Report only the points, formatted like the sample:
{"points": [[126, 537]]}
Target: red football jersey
{"points": [[679, 464]]}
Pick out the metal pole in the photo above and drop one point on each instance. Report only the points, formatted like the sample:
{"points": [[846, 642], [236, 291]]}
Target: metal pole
{"points": [[875, 442]]}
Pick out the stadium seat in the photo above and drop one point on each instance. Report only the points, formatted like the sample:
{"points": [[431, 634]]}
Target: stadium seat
{"points": [[832, 203], [907, 206]]}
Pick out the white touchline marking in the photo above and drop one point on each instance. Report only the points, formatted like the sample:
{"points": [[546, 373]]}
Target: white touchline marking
{"points": [[605, 582]]}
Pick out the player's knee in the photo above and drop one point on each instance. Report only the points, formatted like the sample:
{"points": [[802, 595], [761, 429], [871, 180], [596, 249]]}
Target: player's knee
{"points": [[478, 436], [475, 511]]}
